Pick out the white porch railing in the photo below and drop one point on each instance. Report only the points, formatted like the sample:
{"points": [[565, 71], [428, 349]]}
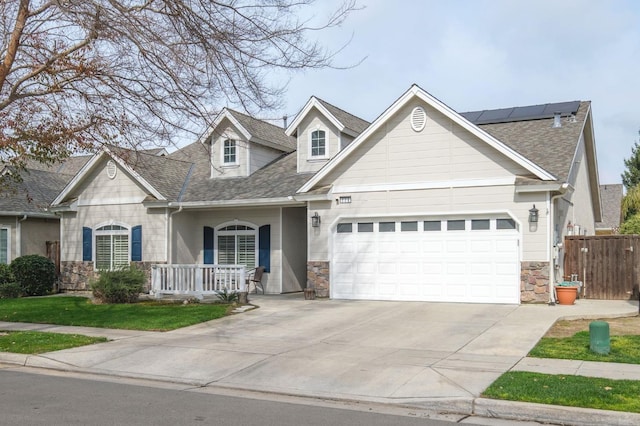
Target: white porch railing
{"points": [[197, 280]]}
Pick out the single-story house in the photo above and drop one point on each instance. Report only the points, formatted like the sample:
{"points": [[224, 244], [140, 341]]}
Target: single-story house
{"points": [[424, 203]]}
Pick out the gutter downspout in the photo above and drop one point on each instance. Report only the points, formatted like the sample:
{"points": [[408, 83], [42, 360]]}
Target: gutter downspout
{"points": [[552, 267], [19, 235], [169, 234]]}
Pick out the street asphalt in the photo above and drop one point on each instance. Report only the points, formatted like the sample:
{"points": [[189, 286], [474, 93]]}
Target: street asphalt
{"points": [[431, 356]]}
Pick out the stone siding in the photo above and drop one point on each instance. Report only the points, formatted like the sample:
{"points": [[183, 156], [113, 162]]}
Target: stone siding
{"points": [[76, 275], [534, 282], [318, 277], [146, 267]]}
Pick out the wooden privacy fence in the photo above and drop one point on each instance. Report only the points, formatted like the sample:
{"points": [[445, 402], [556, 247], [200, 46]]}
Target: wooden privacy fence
{"points": [[607, 265]]}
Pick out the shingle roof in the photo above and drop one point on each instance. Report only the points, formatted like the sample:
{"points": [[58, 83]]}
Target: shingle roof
{"points": [[166, 174], [68, 166], [265, 131], [550, 148], [350, 121], [275, 180], [34, 194], [611, 196]]}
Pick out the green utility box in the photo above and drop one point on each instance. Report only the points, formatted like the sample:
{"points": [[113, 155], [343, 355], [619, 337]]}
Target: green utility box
{"points": [[599, 340]]}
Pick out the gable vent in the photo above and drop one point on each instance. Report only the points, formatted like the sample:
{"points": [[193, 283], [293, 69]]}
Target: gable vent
{"points": [[111, 169], [418, 119]]}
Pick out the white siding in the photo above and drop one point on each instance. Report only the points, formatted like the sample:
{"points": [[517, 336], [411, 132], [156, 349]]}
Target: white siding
{"points": [[226, 131], [315, 121], [103, 200], [441, 152], [581, 212], [261, 155]]}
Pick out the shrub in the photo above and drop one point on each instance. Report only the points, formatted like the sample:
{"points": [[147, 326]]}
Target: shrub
{"points": [[119, 286], [631, 225], [228, 296], [6, 276], [10, 290], [34, 274]]}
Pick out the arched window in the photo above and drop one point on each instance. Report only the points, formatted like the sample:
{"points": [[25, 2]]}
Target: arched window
{"points": [[112, 247], [237, 245], [318, 143]]}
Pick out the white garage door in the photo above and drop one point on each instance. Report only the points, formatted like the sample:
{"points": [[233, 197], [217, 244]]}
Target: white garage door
{"points": [[461, 260]]}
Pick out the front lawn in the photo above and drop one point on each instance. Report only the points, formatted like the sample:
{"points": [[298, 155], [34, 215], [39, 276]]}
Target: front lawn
{"points": [[572, 391], [36, 342], [624, 349], [79, 311]]}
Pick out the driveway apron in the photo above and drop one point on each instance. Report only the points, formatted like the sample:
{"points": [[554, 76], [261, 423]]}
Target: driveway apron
{"points": [[401, 352]]}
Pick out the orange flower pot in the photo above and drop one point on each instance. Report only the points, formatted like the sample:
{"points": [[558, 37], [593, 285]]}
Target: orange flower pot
{"points": [[566, 295]]}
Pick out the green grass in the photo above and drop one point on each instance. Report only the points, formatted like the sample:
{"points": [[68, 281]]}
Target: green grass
{"points": [[79, 311], [573, 391], [624, 349], [36, 342]]}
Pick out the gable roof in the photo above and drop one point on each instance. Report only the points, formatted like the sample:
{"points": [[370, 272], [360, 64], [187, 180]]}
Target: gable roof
{"points": [[254, 130], [342, 120], [416, 91], [277, 180], [162, 177], [536, 139], [611, 195]]}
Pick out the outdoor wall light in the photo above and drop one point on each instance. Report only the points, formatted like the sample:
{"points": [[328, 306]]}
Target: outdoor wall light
{"points": [[315, 220], [533, 215]]}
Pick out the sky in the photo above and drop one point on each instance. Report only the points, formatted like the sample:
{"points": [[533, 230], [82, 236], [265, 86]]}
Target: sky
{"points": [[476, 54]]}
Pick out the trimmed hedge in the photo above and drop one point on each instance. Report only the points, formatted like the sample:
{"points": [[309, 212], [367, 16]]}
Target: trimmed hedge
{"points": [[34, 274]]}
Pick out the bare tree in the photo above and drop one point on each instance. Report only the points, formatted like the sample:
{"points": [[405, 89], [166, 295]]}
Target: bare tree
{"points": [[75, 74]]}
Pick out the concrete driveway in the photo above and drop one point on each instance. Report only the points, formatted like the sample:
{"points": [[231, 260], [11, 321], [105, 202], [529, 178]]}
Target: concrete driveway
{"points": [[417, 353]]}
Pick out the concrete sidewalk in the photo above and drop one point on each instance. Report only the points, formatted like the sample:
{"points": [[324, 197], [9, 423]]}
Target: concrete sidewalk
{"points": [[434, 356]]}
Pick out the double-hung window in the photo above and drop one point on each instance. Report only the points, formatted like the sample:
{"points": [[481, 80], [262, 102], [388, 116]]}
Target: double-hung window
{"points": [[112, 247], [4, 246], [318, 144], [229, 152], [237, 245]]}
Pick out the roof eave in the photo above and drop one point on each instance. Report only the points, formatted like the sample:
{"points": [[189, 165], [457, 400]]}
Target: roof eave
{"points": [[253, 202]]}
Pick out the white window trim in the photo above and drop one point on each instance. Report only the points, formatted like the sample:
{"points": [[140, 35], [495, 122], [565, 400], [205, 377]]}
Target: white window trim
{"points": [[8, 242], [222, 153], [326, 144], [95, 233], [253, 232]]}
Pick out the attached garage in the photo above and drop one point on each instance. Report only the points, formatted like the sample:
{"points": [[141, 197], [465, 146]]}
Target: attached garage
{"points": [[473, 260]]}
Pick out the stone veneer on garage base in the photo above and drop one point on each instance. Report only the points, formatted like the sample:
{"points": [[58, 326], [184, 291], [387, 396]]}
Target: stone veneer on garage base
{"points": [[318, 277], [534, 282]]}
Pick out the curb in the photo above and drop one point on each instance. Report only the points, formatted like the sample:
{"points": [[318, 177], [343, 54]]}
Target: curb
{"points": [[555, 414]]}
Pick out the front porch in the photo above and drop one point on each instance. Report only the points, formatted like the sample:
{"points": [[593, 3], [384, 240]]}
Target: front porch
{"points": [[197, 280]]}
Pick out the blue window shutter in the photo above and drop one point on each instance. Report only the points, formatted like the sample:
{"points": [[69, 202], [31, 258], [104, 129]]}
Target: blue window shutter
{"points": [[264, 247], [208, 245], [136, 243], [86, 244]]}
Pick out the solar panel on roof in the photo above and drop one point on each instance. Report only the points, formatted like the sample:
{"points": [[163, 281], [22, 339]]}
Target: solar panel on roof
{"points": [[472, 116], [532, 112], [527, 112], [495, 114]]}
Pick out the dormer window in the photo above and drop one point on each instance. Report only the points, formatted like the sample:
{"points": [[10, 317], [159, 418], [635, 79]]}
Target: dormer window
{"points": [[318, 144], [229, 153]]}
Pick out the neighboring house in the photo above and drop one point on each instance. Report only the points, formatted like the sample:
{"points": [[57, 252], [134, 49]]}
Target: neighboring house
{"points": [[422, 204], [26, 224], [611, 195]]}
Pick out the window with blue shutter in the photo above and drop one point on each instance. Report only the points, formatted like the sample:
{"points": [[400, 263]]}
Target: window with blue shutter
{"points": [[208, 245], [264, 247], [136, 243], [86, 244]]}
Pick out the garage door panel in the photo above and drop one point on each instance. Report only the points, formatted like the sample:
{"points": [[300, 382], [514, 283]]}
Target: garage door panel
{"points": [[466, 266]]}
